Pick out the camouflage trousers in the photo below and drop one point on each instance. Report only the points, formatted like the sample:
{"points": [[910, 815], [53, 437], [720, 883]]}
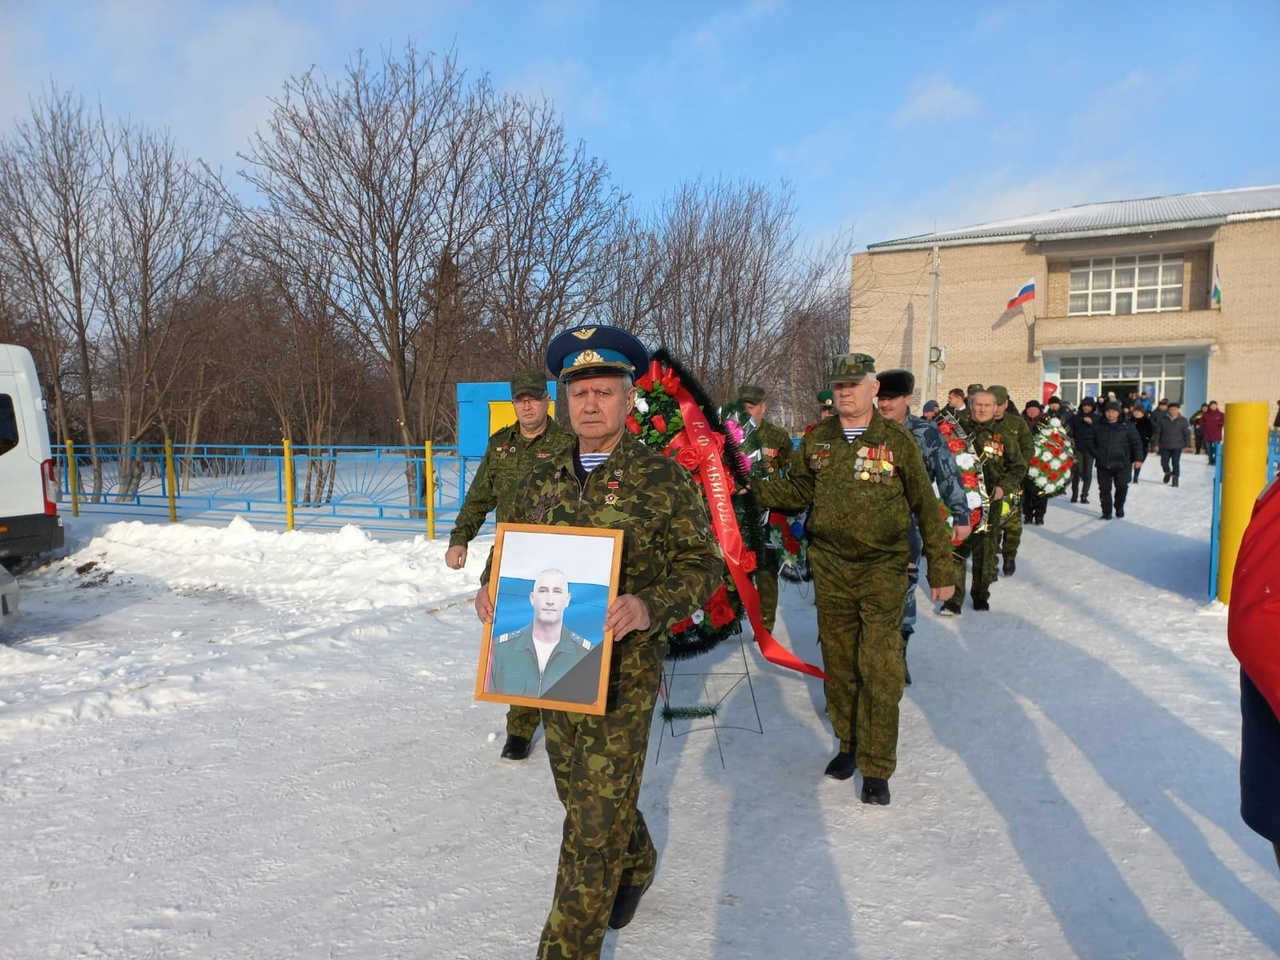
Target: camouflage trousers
{"points": [[860, 620], [598, 763], [1011, 534], [769, 563], [523, 721], [982, 547]]}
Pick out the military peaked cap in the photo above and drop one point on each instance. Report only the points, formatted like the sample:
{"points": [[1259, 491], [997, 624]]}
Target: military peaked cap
{"points": [[750, 393], [826, 401], [896, 383], [596, 349], [974, 388], [999, 392]]}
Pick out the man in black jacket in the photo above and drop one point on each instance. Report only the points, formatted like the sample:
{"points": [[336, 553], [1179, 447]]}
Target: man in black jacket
{"points": [[1117, 452], [1081, 427]]}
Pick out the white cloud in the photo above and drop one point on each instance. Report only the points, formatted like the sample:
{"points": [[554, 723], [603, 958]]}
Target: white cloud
{"points": [[935, 98], [820, 152], [570, 87], [1002, 195]]}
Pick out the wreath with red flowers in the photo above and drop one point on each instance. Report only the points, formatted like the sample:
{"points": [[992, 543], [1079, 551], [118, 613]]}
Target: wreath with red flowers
{"points": [[975, 489], [1052, 458], [658, 423]]}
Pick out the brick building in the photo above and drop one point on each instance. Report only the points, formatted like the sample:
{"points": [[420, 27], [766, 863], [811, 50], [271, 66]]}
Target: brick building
{"points": [[1124, 300]]}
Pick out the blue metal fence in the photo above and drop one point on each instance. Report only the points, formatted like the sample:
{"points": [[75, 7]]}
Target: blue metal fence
{"points": [[378, 487]]}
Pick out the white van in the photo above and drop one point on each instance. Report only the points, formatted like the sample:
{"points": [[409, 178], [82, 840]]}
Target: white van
{"points": [[29, 521]]}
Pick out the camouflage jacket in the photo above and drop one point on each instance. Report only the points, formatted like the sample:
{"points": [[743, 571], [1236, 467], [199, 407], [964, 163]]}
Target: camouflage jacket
{"points": [[1003, 464], [670, 559], [509, 458], [940, 463], [863, 495], [769, 449], [1016, 425]]}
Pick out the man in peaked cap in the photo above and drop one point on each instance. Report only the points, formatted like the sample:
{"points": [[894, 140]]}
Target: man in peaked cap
{"points": [[671, 565], [863, 478], [512, 453], [768, 448], [894, 403]]}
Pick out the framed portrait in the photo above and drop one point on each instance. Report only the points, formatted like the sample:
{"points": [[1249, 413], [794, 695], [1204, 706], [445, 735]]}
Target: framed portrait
{"points": [[551, 588]]}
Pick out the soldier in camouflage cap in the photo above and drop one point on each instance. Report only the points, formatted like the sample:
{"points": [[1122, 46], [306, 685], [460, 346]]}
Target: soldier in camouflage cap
{"points": [[671, 565], [511, 454], [1010, 536], [768, 448], [1003, 470], [863, 478]]}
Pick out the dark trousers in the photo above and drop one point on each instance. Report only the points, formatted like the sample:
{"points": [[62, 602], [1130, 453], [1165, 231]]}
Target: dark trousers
{"points": [[1171, 462], [1117, 478], [1083, 470]]}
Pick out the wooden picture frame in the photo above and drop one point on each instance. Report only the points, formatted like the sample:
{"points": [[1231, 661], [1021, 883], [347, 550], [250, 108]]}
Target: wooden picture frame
{"points": [[545, 580]]}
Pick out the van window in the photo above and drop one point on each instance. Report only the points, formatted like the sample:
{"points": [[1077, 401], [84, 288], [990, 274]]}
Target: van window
{"points": [[8, 424]]}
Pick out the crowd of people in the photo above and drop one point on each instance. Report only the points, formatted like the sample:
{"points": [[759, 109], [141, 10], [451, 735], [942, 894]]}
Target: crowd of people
{"points": [[870, 478]]}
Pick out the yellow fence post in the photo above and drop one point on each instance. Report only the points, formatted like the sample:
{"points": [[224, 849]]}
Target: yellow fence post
{"points": [[170, 476], [288, 485], [429, 492], [72, 480], [1244, 474]]}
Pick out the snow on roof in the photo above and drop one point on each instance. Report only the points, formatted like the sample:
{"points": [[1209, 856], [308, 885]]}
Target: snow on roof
{"points": [[1112, 217]]}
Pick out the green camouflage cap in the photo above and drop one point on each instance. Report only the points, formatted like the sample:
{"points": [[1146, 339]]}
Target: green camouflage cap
{"points": [[750, 393], [1001, 393], [973, 388], [851, 368], [528, 383], [825, 399]]}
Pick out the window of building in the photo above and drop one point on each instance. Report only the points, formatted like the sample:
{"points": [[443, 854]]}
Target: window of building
{"points": [[1153, 375], [1147, 283]]}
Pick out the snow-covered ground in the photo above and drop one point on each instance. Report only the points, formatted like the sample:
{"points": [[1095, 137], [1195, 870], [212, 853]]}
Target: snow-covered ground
{"points": [[239, 743]]}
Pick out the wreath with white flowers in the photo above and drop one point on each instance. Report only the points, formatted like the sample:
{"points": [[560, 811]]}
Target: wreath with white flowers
{"points": [[1052, 458], [975, 489]]}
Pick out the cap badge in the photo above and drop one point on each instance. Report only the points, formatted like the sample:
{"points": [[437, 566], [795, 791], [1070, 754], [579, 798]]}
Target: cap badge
{"points": [[585, 333], [586, 357]]}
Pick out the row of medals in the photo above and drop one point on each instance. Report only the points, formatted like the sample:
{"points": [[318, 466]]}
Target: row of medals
{"points": [[869, 468]]}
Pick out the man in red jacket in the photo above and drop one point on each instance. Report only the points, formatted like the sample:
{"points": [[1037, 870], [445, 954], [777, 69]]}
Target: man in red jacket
{"points": [[1253, 630], [1211, 423]]}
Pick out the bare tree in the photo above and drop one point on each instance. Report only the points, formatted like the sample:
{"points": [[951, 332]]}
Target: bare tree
{"points": [[161, 232], [725, 255], [381, 176], [543, 265], [51, 206]]}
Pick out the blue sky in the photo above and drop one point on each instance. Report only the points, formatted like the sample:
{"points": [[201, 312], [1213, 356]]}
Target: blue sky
{"points": [[893, 118]]}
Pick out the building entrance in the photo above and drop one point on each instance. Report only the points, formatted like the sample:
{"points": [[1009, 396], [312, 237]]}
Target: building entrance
{"points": [[1121, 388]]}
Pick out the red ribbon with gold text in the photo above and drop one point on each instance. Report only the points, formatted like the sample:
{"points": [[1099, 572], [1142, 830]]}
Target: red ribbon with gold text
{"points": [[698, 448]]}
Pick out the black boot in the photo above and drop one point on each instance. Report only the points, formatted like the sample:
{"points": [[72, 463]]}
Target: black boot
{"points": [[516, 748], [875, 790], [1008, 567], [625, 903], [841, 766], [1174, 481]]}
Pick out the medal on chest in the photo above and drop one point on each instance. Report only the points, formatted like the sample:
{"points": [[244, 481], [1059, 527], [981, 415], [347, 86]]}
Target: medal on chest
{"points": [[874, 464]]}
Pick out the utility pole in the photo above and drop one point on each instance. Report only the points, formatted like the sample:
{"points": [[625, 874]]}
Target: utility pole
{"points": [[931, 352]]}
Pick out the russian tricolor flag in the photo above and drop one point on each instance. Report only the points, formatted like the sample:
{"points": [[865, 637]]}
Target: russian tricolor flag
{"points": [[1028, 292]]}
